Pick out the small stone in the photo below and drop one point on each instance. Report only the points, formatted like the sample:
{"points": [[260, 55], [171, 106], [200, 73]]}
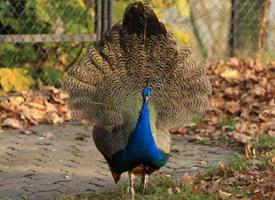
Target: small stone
{"points": [[27, 132], [203, 162], [67, 177]]}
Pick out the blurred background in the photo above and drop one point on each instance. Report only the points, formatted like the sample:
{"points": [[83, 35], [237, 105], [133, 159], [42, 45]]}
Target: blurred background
{"points": [[39, 38]]}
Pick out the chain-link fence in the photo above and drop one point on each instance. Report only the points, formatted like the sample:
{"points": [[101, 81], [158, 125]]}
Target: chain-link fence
{"points": [[44, 35], [51, 34], [219, 29]]}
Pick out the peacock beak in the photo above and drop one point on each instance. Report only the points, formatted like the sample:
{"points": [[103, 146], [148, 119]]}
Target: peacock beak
{"points": [[146, 99]]}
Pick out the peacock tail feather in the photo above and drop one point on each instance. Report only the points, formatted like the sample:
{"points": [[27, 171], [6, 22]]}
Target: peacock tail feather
{"points": [[106, 85]]}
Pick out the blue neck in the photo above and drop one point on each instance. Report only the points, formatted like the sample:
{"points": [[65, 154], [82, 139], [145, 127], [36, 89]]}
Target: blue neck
{"points": [[142, 136], [141, 148]]}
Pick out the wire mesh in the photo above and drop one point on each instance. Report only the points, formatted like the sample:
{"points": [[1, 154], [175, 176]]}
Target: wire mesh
{"points": [[50, 33], [44, 34]]}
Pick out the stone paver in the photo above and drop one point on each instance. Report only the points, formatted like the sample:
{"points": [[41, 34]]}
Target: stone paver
{"points": [[57, 160]]}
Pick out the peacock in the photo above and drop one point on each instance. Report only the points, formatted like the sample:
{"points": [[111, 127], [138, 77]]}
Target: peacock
{"points": [[134, 86]]}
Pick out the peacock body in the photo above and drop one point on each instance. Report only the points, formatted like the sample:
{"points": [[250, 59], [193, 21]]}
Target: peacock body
{"points": [[134, 87]]}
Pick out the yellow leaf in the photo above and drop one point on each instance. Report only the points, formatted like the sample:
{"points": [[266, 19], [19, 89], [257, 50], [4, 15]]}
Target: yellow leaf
{"points": [[183, 8], [81, 3], [180, 35], [160, 5], [230, 74], [14, 79]]}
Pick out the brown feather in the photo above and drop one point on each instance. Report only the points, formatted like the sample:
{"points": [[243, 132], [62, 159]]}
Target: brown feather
{"points": [[106, 84]]}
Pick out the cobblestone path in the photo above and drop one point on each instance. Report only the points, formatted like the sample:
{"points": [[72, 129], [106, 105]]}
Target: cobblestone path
{"points": [[47, 161]]}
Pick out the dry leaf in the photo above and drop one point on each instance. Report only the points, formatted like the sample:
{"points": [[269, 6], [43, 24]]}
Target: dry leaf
{"points": [[223, 168], [232, 106], [50, 107], [230, 74], [54, 118], [187, 180], [249, 151], [240, 137], [16, 100], [33, 115], [37, 106], [224, 195], [13, 123], [233, 62]]}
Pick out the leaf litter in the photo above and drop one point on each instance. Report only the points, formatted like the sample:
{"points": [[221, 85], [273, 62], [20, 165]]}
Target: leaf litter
{"points": [[23, 109], [242, 107]]}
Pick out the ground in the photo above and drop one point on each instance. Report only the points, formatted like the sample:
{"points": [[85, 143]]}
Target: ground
{"points": [[48, 161]]}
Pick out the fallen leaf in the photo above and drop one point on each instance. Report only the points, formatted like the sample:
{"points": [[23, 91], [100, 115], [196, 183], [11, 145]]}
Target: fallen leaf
{"points": [[232, 106], [54, 118], [223, 168], [33, 115], [14, 79], [187, 180], [17, 100], [233, 62], [13, 123], [35, 105], [224, 195], [249, 151], [230, 74]]}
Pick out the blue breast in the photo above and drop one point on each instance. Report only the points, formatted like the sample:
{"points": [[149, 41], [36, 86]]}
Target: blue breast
{"points": [[141, 148]]}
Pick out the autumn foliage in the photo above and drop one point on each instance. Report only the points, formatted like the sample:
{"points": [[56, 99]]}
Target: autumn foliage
{"points": [[242, 103]]}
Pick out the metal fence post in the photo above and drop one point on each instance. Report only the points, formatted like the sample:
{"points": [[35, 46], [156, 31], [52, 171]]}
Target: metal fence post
{"points": [[103, 17]]}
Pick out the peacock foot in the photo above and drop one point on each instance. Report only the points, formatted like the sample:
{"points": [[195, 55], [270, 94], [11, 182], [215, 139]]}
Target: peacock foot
{"points": [[144, 182], [131, 188]]}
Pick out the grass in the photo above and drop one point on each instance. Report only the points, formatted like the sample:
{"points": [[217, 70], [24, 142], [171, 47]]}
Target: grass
{"points": [[164, 188], [263, 143], [202, 141], [227, 124], [225, 177], [237, 164], [160, 188]]}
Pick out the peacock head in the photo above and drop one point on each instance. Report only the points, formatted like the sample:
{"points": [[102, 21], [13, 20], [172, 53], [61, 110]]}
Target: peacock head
{"points": [[146, 92]]}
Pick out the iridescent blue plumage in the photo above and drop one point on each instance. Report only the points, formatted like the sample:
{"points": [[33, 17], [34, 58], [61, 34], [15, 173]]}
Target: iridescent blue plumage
{"points": [[141, 148]]}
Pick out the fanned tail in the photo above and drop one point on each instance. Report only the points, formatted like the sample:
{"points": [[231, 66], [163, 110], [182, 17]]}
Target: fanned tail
{"points": [[140, 19], [106, 85]]}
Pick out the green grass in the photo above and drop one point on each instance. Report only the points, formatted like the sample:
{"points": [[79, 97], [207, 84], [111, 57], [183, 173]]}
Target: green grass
{"points": [[164, 188], [238, 191], [202, 141], [227, 124], [237, 164], [158, 190], [268, 56], [263, 142]]}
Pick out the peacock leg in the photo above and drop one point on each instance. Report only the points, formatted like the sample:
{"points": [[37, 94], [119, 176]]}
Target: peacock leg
{"points": [[131, 188], [144, 181]]}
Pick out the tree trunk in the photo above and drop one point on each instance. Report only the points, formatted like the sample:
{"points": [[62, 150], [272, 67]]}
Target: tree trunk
{"points": [[244, 29]]}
